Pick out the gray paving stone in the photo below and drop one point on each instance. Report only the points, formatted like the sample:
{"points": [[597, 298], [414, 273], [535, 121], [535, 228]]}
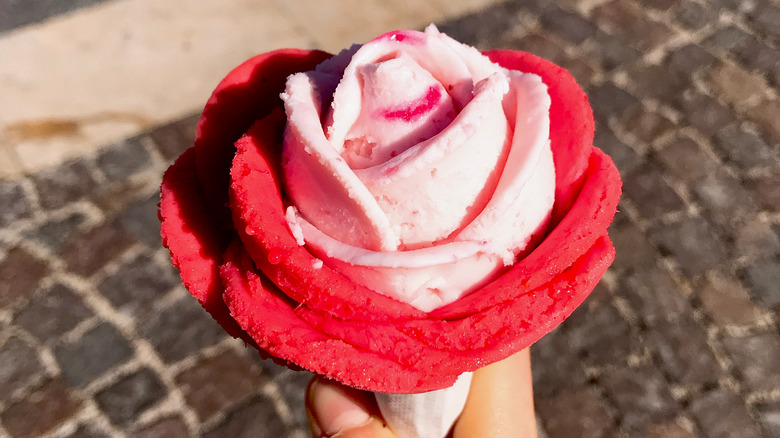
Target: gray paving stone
{"points": [[293, 389], [218, 383], [16, 204], [756, 55], [660, 5], [727, 301], [179, 330], [769, 418], [137, 285], [609, 100], [642, 394], [634, 251], [705, 113], [88, 431], [536, 7], [612, 52], [124, 401], [688, 60], [693, 244], [598, 333], [19, 367], [726, 39], [724, 199], [114, 197], [570, 26], [763, 277], [173, 139], [646, 125], [756, 239], [744, 148], [94, 353], [90, 250], [55, 232], [140, 220], [668, 430], [52, 313], [651, 194], [683, 159], [766, 114], [542, 46], [20, 273], [173, 427], [474, 29], [756, 358], [733, 5], [556, 365], [48, 406], [60, 185], [582, 71], [121, 161], [654, 295], [722, 414], [576, 413], [256, 419], [766, 190], [684, 353], [694, 15], [735, 85], [654, 81], [625, 158], [766, 19], [627, 19]]}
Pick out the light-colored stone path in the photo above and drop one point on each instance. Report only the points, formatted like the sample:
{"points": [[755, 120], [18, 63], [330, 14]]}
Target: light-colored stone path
{"points": [[80, 81]]}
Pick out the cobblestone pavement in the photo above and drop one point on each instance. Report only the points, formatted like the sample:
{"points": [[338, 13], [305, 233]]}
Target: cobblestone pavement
{"points": [[680, 339]]}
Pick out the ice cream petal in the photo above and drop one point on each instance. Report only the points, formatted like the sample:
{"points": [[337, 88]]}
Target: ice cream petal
{"points": [[320, 182], [438, 186], [403, 105], [446, 67], [425, 278], [521, 204]]}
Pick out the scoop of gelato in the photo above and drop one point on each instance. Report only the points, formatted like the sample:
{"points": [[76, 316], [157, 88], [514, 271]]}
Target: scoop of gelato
{"points": [[418, 166]]}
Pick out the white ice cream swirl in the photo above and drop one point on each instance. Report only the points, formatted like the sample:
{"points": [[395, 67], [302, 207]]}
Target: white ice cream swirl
{"points": [[417, 165]]}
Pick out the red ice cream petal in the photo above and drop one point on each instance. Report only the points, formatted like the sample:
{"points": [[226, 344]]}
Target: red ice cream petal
{"points": [[248, 93], [270, 318], [194, 240]]}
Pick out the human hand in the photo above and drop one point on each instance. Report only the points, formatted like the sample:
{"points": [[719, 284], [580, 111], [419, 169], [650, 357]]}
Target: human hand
{"points": [[500, 404]]}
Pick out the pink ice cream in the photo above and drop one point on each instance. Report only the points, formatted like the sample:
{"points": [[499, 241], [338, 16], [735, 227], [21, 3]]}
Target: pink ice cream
{"points": [[427, 174]]}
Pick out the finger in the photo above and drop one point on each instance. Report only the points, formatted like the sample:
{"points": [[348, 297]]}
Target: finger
{"points": [[500, 402], [335, 410]]}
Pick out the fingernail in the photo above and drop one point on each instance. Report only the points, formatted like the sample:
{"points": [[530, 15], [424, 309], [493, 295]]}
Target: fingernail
{"points": [[334, 410]]}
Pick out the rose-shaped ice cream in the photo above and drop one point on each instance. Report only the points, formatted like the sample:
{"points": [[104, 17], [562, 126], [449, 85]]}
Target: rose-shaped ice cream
{"points": [[432, 171], [306, 304]]}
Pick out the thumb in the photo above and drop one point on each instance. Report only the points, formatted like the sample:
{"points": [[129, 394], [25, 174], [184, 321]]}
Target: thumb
{"points": [[335, 410]]}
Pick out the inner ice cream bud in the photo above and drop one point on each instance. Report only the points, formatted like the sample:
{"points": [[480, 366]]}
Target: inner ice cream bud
{"points": [[427, 174], [402, 105]]}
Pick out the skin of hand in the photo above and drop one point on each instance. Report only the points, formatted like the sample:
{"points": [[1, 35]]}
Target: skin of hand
{"points": [[500, 404]]}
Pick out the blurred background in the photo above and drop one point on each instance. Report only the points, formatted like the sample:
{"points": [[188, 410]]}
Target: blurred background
{"points": [[97, 97]]}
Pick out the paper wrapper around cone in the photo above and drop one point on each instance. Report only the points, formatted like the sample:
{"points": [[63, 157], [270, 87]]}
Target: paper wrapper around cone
{"points": [[425, 415]]}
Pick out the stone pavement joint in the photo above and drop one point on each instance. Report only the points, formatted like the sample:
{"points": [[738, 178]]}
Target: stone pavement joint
{"points": [[680, 339]]}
